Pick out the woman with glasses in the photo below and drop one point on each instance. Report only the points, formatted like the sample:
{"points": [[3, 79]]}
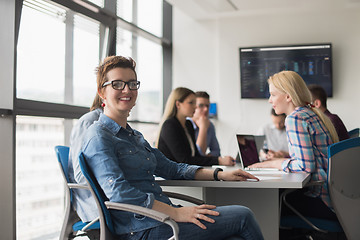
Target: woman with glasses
{"points": [[124, 165], [177, 136]]}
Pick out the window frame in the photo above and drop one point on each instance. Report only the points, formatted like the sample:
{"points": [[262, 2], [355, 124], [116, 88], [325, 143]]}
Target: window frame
{"points": [[110, 20]]}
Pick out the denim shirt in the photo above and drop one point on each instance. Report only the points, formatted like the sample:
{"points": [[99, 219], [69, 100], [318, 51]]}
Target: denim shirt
{"points": [[124, 164]]}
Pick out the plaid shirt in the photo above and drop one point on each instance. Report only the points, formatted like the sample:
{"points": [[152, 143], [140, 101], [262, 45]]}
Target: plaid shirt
{"points": [[308, 143]]}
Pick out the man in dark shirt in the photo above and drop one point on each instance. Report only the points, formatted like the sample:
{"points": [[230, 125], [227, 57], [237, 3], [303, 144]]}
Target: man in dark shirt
{"points": [[319, 98]]}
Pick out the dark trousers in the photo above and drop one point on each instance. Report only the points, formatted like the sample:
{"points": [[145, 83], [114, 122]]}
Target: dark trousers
{"points": [[307, 206]]}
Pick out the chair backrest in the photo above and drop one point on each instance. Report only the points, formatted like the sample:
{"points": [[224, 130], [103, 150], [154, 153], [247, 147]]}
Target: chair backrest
{"points": [[354, 133], [62, 153], [344, 182], [98, 194]]}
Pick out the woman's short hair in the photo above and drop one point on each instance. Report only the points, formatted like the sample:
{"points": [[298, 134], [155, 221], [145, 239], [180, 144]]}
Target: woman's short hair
{"points": [[110, 63]]}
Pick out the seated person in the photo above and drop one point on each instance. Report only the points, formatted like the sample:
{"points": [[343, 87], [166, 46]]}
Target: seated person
{"points": [[309, 133], [177, 138], [204, 129], [83, 201], [319, 99], [275, 136], [124, 164]]}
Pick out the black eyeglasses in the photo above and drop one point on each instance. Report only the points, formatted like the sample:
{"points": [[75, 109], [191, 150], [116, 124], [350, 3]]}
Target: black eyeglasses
{"points": [[120, 85]]}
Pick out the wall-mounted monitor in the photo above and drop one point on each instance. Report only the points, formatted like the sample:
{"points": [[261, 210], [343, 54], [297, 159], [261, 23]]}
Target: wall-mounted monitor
{"points": [[313, 63]]}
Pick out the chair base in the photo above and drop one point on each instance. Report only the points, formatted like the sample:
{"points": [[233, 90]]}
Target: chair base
{"points": [[93, 234]]}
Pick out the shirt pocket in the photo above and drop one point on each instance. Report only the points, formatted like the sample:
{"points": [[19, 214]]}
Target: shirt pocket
{"points": [[128, 156]]}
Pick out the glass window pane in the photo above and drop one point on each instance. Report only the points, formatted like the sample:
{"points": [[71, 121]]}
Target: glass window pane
{"points": [[149, 70], [86, 58], [39, 184], [123, 42], [41, 53], [99, 3], [149, 16], [124, 9]]}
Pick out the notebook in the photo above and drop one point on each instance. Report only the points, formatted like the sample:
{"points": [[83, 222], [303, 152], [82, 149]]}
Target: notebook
{"points": [[249, 147]]}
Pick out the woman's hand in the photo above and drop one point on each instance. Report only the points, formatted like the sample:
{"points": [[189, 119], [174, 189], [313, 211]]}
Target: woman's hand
{"points": [[226, 160], [274, 163], [236, 175], [195, 214], [279, 154]]}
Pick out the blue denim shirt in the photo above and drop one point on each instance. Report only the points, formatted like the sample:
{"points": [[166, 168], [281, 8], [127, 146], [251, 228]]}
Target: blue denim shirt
{"points": [[124, 164]]}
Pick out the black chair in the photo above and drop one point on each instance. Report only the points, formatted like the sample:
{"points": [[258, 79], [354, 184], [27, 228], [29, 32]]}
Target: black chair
{"points": [[301, 227], [72, 225], [104, 205]]}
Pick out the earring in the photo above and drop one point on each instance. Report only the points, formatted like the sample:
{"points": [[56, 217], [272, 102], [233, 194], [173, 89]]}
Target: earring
{"points": [[103, 104]]}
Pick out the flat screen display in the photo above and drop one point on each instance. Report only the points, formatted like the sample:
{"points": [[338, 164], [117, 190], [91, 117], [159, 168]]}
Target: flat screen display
{"points": [[312, 62]]}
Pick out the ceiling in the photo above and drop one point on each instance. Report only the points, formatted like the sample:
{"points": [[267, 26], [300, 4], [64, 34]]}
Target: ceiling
{"points": [[213, 9]]}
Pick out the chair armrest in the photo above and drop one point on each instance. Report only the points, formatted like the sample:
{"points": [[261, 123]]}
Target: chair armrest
{"points": [[159, 216], [184, 197], [77, 185]]}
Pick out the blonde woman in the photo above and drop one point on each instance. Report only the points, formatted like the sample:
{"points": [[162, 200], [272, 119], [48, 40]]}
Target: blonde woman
{"points": [[309, 134], [177, 136]]}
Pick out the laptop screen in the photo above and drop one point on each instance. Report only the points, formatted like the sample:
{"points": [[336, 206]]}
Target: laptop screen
{"points": [[249, 147]]}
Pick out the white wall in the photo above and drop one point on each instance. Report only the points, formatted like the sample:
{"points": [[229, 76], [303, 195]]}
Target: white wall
{"points": [[206, 57]]}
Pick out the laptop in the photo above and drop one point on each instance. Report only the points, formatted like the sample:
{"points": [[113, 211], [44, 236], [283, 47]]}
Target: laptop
{"points": [[249, 147]]}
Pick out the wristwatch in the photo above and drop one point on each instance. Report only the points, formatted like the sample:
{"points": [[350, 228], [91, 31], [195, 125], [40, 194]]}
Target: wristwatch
{"points": [[216, 171]]}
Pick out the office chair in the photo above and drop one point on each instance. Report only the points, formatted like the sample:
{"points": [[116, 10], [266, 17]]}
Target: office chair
{"points": [[344, 182], [308, 227], [72, 225], [354, 133], [107, 231]]}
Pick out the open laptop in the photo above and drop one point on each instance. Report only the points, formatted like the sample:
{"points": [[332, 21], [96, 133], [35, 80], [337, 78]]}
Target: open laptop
{"points": [[249, 147]]}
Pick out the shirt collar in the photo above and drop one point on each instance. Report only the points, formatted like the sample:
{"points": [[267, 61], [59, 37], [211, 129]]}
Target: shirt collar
{"points": [[112, 126], [192, 121]]}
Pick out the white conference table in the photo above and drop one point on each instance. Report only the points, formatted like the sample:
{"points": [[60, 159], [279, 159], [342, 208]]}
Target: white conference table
{"points": [[261, 197]]}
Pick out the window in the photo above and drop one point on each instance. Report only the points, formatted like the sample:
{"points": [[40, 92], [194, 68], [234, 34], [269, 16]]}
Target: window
{"points": [[124, 42], [149, 104], [41, 60], [149, 16], [86, 58], [39, 184], [144, 13]]}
